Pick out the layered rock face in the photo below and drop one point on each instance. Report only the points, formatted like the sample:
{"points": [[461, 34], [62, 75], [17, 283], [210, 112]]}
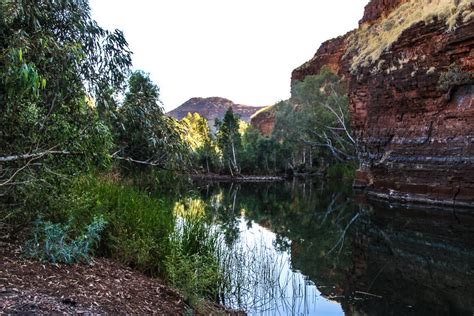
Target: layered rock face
{"points": [[412, 110], [377, 9], [212, 108], [417, 141], [330, 55]]}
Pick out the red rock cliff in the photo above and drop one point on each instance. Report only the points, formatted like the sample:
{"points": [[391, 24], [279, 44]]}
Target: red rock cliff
{"points": [[377, 9], [412, 109], [330, 54], [264, 120]]}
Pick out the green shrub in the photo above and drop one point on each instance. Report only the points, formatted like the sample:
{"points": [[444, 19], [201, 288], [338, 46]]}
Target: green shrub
{"points": [[342, 170], [138, 224], [55, 242], [454, 77]]}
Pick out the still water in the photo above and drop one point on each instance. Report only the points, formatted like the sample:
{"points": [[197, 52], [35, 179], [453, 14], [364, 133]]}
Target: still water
{"points": [[317, 248]]}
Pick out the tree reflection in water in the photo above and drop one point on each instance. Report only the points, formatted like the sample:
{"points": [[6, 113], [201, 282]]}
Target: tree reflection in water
{"points": [[296, 245]]}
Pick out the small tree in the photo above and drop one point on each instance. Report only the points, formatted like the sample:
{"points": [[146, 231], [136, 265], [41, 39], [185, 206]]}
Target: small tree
{"points": [[229, 140], [323, 106]]}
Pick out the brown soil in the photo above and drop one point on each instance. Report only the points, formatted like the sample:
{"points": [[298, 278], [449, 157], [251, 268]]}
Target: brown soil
{"points": [[102, 287]]}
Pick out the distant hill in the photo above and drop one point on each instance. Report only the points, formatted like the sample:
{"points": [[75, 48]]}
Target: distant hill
{"points": [[212, 108]]}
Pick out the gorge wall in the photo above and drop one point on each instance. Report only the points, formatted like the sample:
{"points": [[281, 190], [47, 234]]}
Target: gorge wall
{"points": [[411, 95]]}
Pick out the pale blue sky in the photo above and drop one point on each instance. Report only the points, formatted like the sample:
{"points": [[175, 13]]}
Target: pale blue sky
{"points": [[242, 50]]}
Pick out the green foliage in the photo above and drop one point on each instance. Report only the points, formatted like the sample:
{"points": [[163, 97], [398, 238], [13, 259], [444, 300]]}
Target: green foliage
{"points": [[196, 134], [138, 224], [55, 243], [142, 232], [313, 128], [53, 60], [229, 140], [146, 134], [259, 154], [311, 132], [454, 77], [196, 131], [193, 265], [342, 171]]}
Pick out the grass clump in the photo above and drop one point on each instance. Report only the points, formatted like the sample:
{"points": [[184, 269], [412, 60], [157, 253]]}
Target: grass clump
{"points": [[371, 40], [193, 263]]}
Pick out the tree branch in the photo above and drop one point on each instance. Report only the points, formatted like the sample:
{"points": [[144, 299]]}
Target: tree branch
{"points": [[34, 155]]}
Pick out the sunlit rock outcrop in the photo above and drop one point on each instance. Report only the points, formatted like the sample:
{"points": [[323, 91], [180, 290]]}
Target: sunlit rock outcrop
{"points": [[264, 120]]}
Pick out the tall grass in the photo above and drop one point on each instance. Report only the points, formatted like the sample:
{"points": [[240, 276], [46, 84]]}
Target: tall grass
{"points": [[193, 263], [260, 279], [155, 235], [247, 274], [139, 225]]}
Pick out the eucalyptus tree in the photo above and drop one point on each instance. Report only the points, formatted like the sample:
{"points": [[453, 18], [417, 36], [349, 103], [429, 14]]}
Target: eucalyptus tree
{"points": [[146, 135], [314, 124], [55, 64], [322, 102], [287, 133], [229, 140], [197, 135]]}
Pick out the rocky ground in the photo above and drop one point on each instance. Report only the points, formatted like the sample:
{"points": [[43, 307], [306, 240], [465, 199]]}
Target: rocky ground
{"points": [[102, 287]]}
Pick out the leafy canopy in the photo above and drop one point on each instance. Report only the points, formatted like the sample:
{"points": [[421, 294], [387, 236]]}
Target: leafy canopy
{"points": [[146, 134], [54, 61]]}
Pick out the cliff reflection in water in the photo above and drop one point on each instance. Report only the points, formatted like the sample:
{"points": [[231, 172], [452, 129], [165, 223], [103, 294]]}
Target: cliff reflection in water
{"points": [[418, 261], [373, 259]]}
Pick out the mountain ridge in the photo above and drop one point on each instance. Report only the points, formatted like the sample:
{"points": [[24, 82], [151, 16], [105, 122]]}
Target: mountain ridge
{"points": [[212, 108]]}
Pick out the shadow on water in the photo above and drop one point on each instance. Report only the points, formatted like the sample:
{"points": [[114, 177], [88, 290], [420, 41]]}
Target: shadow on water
{"points": [[316, 248]]}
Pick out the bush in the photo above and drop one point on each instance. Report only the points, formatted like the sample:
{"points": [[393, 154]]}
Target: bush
{"points": [[54, 242], [454, 77], [345, 171], [138, 224]]}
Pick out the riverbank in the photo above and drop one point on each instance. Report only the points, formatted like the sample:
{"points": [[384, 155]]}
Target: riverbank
{"points": [[236, 178], [102, 287]]}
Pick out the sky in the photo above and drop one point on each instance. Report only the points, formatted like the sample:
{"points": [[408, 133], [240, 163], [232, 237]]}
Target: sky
{"points": [[242, 50]]}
